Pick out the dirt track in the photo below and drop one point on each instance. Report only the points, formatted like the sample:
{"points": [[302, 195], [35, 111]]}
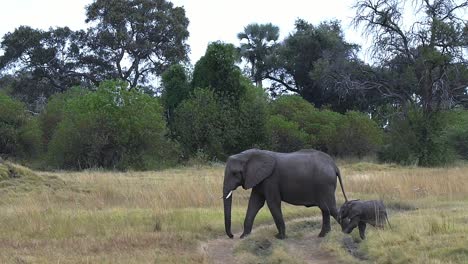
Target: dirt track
{"points": [[306, 247]]}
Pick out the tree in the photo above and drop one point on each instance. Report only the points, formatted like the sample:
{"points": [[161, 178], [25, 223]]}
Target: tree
{"points": [[259, 41], [20, 133], [217, 70], [313, 62], [421, 68], [176, 88], [139, 38], [219, 127], [423, 64], [112, 127], [42, 63]]}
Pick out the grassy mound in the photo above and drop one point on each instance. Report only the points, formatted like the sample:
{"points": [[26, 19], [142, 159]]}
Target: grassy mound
{"points": [[18, 178]]}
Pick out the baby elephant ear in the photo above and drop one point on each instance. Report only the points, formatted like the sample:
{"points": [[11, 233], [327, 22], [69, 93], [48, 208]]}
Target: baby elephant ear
{"points": [[258, 167]]}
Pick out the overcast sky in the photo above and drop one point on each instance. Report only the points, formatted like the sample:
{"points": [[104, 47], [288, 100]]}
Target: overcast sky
{"points": [[210, 20]]}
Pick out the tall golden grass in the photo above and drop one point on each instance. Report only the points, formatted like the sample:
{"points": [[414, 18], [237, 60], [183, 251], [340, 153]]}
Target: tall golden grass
{"points": [[160, 217], [403, 183]]}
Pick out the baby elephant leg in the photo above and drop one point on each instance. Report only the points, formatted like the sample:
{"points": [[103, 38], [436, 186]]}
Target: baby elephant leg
{"points": [[362, 230]]}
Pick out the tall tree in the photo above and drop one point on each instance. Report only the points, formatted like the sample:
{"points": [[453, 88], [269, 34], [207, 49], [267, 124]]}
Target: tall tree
{"points": [[41, 63], [314, 62], [423, 64], [176, 88], [257, 43], [139, 38], [217, 71]]}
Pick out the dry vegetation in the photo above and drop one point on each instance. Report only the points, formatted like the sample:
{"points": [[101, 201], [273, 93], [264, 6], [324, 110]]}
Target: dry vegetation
{"points": [[161, 217]]}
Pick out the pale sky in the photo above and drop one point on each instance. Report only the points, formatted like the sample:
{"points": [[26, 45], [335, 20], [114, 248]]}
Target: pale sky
{"points": [[210, 20]]}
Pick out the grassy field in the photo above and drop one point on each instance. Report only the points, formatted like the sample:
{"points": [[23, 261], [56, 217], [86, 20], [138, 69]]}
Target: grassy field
{"points": [[162, 217]]}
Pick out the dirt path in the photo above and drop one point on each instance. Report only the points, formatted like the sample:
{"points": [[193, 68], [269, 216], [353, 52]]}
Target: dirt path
{"points": [[305, 247]]}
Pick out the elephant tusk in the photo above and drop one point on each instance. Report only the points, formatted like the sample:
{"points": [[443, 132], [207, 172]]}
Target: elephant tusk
{"points": [[229, 195]]}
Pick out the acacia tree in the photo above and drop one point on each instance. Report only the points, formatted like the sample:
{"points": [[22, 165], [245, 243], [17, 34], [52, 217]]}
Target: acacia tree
{"points": [[140, 38], [423, 64], [257, 43]]}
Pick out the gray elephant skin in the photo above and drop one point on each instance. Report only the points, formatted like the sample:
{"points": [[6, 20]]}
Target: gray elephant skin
{"points": [[359, 213], [306, 177]]}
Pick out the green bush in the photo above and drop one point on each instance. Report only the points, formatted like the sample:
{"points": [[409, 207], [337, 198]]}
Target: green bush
{"points": [[285, 135], [217, 126], [456, 132], [20, 135], [198, 124], [417, 139], [53, 112], [111, 128], [296, 124], [356, 135]]}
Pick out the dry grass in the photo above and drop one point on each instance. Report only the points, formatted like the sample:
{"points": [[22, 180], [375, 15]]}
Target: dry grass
{"points": [[403, 183], [160, 217]]}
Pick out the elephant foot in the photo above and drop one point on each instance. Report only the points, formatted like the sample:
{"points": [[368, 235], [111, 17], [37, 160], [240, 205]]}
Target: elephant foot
{"points": [[280, 236], [244, 235], [323, 233]]}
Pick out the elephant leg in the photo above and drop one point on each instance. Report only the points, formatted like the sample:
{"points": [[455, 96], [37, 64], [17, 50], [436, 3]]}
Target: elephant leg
{"points": [[351, 225], [256, 202], [334, 213], [275, 208], [362, 230], [325, 222]]}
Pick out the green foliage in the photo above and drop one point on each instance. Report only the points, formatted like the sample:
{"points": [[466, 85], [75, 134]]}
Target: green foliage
{"points": [[356, 135], [296, 124], [208, 123], [176, 88], [417, 139], [422, 64], [44, 62], [286, 136], [111, 128], [456, 131], [257, 43], [316, 63], [217, 70], [149, 35], [198, 123], [53, 112], [20, 133]]}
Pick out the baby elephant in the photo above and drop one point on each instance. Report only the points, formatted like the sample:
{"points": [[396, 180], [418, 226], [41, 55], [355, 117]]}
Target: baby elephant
{"points": [[359, 213]]}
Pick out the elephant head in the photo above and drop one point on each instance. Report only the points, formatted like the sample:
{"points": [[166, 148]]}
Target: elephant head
{"points": [[346, 212], [245, 169]]}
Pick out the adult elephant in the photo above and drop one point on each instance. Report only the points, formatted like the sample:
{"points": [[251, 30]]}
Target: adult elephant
{"points": [[306, 177]]}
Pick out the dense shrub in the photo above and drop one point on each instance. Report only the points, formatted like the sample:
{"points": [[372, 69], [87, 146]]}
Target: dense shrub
{"points": [[20, 135], [286, 135], [53, 112], [356, 135], [198, 123], [417, 139], [296, 124], [176, 88], [211, 124], [111, 128], [456, 132]]}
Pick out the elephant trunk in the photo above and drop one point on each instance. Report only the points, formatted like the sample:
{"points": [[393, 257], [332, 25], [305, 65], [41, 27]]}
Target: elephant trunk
{"points": [[227, 199], [227, 216]]}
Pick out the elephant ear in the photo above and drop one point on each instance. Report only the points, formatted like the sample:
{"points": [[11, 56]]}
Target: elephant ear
{"points": [[258, 167], [354, 210]]}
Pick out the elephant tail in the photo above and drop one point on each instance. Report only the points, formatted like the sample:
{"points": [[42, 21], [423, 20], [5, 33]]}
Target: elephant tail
{"points": [[338, 174]]}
